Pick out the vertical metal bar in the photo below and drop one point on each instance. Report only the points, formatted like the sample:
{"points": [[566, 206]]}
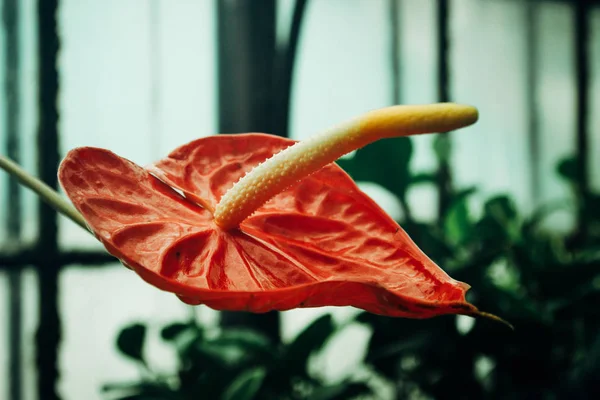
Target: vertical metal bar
{"points": [[444, 178], [48, 334], [10, 14], [443, 53], [531, 56], [246, 56], [582, 33]]}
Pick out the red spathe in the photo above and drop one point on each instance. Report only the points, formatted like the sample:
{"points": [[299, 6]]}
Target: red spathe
{"points": [[322, 242]]}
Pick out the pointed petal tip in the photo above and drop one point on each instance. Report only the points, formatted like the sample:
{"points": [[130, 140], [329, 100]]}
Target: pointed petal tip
{"points": [[493, 317]]}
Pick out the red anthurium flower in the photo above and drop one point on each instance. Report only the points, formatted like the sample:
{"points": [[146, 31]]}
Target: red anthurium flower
{"points": [[294, 232]]}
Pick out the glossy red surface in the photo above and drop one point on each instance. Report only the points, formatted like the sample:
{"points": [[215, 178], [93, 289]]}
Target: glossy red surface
{"points": [[322, 242]]}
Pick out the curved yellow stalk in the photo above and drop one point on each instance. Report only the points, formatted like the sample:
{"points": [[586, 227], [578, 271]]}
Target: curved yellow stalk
{"points": [[303, 158]]}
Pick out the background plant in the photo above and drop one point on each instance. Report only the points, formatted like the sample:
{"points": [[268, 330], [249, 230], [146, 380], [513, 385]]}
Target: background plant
{"points": [[546, 283], [230, 364]]}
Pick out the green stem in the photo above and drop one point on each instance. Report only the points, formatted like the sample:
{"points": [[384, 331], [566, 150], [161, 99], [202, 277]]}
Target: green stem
{"points": [[47, 194]]}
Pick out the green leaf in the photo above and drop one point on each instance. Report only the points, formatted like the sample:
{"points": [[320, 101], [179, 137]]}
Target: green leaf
{"points": [[514, 306], [172, 331], [344, 390], [457, 222], [432, 241], [501, 208], [308, 341], [500, 224], [130, 341], [246, 339], [567, 169], [463, 194], [385, 162], [246, 385], [233, 349], [442, 146], [185, 338], [423, 177], [139, 391], [217, 356], [535, 220]]}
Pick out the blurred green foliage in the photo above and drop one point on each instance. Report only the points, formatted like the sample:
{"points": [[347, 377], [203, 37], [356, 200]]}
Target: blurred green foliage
{"points": [[231, 364], [545, 283]]}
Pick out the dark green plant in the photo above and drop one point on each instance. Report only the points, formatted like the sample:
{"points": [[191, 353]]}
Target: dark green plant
{"points": [[547, 284], [235, 364]]}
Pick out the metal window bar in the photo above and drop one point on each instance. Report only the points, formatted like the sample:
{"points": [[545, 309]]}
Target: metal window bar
{"points": [[48, 333], [246, 50], [255, 77], [582, 62], [10, 14], [444, 177]]}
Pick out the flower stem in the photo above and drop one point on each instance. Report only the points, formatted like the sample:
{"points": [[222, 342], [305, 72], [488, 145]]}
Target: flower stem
{"points": [[47, 194], [303, 158]]}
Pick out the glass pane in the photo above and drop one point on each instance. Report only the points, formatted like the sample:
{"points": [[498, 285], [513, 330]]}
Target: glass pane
{"points": [[28, 117], [29, 308], [331, 83], [186, 74], [27, 87], [557, 102], [137, 78], [418, 85], [484, 57], [29, 321], [95, 304]]}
